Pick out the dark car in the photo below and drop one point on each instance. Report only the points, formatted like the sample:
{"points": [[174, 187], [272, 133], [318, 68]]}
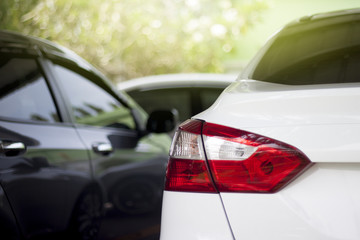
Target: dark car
{"points": [[71, 144]]}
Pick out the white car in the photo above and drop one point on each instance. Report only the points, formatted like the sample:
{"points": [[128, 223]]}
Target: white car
{"points": [[188, 93], [277, 156]]}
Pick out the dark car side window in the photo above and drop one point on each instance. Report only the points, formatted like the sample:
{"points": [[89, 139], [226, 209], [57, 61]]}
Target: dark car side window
{"points": [[91, 104], [24, 93]]}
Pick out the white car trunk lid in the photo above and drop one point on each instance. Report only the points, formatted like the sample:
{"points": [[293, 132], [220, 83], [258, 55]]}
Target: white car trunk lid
{"points": [[314, 118]]}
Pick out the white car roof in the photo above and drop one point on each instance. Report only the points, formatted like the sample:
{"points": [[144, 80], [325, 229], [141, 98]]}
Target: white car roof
{"points": [[178, 80]]}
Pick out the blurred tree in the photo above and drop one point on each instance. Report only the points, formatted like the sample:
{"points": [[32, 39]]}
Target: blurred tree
{"points": [[131, 38]]}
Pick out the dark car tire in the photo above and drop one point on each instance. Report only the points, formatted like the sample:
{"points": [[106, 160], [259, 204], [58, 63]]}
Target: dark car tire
{"points": [[136, 195], [87, 215]]}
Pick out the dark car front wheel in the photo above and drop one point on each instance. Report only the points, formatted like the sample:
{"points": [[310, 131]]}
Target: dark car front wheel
{"points": [[87, 215], [136, 195]]}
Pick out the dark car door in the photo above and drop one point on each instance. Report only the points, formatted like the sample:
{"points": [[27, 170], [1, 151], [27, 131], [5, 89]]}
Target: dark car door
{"points": [[130, 167], [44, 165]]}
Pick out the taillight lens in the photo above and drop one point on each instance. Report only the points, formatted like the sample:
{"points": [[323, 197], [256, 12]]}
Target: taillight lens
{"points": [[187, 168], [238, 161]]}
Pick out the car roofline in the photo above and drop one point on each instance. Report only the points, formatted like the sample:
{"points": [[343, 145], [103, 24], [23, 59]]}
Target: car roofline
{"points": [[324, 16], [177, 79]]}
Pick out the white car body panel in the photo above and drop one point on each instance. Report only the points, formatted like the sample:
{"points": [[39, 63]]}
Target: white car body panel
{"points": [[322, 121], [323, 203], [314, 119], [210, 221]]}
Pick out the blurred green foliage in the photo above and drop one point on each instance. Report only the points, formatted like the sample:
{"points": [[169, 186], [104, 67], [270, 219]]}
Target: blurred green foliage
{"points": [[132, 38]]}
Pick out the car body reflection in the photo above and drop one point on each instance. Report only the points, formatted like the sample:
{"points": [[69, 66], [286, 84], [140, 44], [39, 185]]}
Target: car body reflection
{"points": [[78, 159]]}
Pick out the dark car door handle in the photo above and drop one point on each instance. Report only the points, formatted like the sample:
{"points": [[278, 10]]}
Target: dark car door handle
{"points": [[10, 148], [102, 148]]}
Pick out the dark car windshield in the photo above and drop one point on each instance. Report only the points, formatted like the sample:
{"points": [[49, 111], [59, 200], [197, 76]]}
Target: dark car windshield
{"points": [[304, 55]]}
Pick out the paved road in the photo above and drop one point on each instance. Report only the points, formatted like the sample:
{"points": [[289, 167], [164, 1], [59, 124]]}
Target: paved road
{"points": [[136, 227]]}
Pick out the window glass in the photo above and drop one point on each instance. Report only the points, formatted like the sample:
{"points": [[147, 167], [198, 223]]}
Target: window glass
{"points": [[24, 93], [91, 104], [352, 71], [165, 99], [209, 95], [318, 56]]}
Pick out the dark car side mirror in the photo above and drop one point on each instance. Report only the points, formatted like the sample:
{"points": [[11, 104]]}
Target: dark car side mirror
{"points": [[162, 121]]}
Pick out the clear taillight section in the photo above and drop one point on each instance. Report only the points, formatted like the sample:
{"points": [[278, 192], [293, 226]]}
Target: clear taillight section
{"points": [[207, 157], [187, 168]]}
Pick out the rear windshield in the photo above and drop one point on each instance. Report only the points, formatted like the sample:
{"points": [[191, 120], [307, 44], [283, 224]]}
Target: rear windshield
{"points": [[321, 55]]}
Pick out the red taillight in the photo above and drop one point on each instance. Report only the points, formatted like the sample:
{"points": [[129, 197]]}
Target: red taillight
{"points": [[239, 161], [187, 168], [188, 176]]}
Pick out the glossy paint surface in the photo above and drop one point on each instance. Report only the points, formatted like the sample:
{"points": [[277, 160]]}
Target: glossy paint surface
{"points": [[50, 175], [8, 226], [321, 204], [64, 169], [323, 123], [317, 112], [198, 216], [132, 178], [316, 119]]}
